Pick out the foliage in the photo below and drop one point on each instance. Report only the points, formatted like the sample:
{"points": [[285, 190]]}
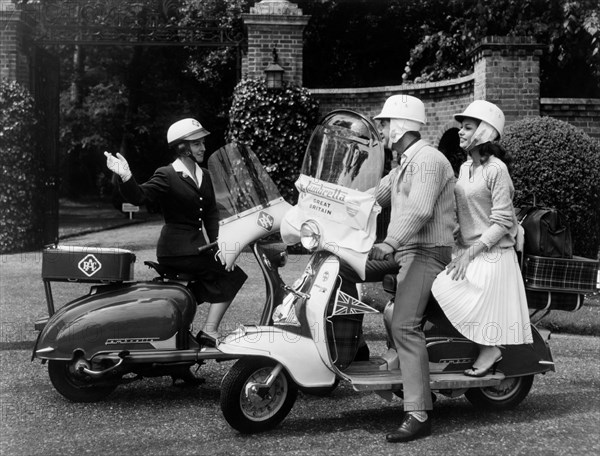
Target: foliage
{"points": [[359, 43], [216, 68], [87, 130], [128, 101], [571, 29], [560, 165], [276, 124], [124, 99], [21, 171]]}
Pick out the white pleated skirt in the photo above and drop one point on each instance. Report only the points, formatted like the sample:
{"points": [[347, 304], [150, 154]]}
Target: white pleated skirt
{"points": [[489, 306]]}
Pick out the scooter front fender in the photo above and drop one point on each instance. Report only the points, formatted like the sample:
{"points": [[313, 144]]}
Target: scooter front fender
{"points": [[298, 354]]}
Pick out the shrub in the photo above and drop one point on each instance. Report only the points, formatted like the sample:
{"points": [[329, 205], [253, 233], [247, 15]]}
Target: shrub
{"points": [[21, 181], [276, 124], [560, 165]]}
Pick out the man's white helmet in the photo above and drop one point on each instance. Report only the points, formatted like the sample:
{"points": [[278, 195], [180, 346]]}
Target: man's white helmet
{"points": [[484, 111], [403, 107], [186, 130], [406, 113]]}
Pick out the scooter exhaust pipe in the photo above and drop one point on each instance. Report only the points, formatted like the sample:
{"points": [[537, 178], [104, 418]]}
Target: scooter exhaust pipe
{"points": [[83, 369]]}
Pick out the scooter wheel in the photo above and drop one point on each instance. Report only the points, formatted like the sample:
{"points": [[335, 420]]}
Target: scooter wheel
{"points": [[73, 386], [508, 394], [250, 408]]}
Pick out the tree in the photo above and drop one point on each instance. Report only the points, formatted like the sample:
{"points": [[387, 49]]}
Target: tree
{"points": [[571, 29], [124, 98]]}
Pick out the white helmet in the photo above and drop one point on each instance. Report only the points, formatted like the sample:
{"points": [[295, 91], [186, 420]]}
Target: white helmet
{"points": [[186, 130], [484, 111], [403, 107]]}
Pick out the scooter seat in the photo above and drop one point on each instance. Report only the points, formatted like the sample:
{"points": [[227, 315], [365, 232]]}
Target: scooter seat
{"points": [[389, 283], [169, 273]]}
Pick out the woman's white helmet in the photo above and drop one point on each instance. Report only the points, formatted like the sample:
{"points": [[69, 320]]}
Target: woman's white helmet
{"points": [[185, 130], [484, 111]]}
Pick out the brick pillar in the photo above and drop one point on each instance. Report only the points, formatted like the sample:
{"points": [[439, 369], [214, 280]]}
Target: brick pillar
{"points": [[15, 27], [274, 24], [507, 72]]}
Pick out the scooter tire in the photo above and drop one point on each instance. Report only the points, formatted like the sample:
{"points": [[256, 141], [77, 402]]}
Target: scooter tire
{"points": [[73, 388], [505, 396], [252, 412]]}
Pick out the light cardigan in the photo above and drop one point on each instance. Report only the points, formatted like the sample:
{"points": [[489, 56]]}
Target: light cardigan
{"points": [[421, 195], [485, 210]]}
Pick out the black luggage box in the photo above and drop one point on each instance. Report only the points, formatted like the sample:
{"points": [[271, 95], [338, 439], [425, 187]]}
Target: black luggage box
{"points": [[87, 264]]}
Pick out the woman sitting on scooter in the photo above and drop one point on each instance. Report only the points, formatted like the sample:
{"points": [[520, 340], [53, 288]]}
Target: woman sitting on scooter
{"points": [[186, 197], [482, 291]]}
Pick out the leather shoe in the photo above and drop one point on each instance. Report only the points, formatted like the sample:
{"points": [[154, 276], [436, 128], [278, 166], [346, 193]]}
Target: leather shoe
{"points": [[189, 380], [206, 340], [410, 429]]}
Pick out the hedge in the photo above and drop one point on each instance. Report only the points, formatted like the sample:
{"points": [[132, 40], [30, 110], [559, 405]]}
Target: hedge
{"points": [[276, 124], [21, 172], [559, 164]]}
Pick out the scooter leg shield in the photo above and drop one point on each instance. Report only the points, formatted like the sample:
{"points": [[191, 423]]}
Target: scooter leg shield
{"points": [[297, 353]]}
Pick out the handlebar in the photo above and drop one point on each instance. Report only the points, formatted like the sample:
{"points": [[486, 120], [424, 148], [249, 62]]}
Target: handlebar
{"points": [[206, 247]]}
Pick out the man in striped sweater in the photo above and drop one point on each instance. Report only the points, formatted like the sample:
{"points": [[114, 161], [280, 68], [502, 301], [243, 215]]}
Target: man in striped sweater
{"points": [[418, 245]]}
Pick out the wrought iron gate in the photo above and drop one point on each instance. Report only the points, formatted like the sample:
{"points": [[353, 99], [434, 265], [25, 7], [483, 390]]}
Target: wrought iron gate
{"points": [[45, 78], [100, 23]]}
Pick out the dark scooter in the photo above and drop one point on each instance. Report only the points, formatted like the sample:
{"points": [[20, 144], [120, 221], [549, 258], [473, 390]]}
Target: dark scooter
{"points": [[125, 330]]}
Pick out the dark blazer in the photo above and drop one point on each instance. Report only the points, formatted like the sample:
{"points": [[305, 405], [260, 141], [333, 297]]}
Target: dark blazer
{"points": [[184, 207]]}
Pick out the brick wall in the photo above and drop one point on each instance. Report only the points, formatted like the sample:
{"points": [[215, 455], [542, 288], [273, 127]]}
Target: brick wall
{"points": [[580, 112], [507, 73], [442, 100], [274, 24], [262, 38], [14, 30]]}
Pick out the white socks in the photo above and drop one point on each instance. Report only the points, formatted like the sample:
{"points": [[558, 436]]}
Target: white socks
{"points": [[420, 415]]}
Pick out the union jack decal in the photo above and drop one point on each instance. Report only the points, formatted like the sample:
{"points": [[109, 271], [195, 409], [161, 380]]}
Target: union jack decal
{"points": [[347, 305]]}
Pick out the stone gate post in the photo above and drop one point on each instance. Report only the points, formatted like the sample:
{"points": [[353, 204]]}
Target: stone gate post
{"points": [[274, 24], [507, 72], [15, 27]]}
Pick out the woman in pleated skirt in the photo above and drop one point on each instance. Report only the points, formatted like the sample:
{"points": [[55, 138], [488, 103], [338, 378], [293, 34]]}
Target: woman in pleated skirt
{"points": [[482, 291]]}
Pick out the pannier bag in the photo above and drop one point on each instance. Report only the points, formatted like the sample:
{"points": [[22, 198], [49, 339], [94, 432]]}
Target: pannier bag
{"points": [[576, 275], [547, 232]]}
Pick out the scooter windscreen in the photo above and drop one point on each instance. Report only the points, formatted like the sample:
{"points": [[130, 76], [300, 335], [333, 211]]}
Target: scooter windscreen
{"points": [[250, 205], [345, 149], [335, 211], [240, 181]]}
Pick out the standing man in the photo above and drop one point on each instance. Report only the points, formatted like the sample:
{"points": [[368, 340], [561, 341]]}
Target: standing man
{"points": [[419, 236], [419, 241]]}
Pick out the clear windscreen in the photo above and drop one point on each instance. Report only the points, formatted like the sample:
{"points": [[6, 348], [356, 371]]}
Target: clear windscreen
{"points": [[240, 181], [337, 155]]}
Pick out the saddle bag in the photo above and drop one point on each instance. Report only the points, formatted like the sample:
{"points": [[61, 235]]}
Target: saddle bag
{"points": [[547, 232]]}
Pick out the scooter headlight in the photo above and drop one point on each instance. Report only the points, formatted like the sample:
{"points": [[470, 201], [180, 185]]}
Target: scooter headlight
{"points": [[310, 235]]}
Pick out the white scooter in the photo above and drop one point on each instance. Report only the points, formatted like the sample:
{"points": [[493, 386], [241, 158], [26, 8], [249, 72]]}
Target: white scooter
{"points": [[314, 339]]}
